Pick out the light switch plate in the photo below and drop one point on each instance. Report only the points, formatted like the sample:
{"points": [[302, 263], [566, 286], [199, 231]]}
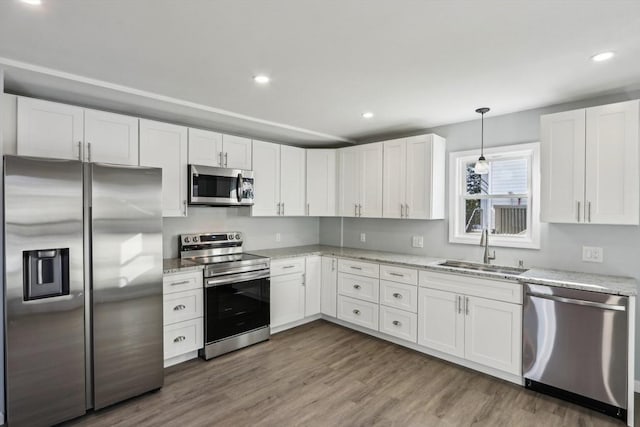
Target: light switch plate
{"points": [[363, 237], [278, 237], [417, 241], [592, 254]]}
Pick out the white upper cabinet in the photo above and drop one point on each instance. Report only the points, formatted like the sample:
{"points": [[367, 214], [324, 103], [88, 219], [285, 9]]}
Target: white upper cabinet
{"points": [[292, 181], [360, 177], [110, 138], [279, 173], [321, 182], [414, 177], [266, 173], [164, 146], [205, 148], [48, 129], [590, 165], [237, 152]]}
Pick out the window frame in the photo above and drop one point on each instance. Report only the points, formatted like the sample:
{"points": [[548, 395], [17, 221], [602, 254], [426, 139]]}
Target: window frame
{"points": [[457, 190]]}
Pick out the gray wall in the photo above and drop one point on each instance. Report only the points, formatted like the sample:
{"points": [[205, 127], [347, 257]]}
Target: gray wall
{"points": [[561, 244]]}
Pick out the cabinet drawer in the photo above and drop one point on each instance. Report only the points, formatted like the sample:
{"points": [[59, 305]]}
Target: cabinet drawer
{"points": [[474, 286], [364, 288], [399, 295], [287, 266], [179, 282], [359, 312], [367, 269], [399, 323], [180, 306], [399, 274], [183, 337]]}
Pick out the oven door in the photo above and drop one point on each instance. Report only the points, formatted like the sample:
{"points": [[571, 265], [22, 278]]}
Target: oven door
{"points": [[235, 304], [220, 186]]}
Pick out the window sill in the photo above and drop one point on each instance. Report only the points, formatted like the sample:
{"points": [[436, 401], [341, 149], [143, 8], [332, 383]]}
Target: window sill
{"points": [[513, 242]]}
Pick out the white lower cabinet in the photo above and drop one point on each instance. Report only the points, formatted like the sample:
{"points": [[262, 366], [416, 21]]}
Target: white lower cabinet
{"points": [[313, 285], [364, 288], [329, 292], [287, 291], [440, 321], [359, 312], [399, 295], [183, 308], [399, 323]]}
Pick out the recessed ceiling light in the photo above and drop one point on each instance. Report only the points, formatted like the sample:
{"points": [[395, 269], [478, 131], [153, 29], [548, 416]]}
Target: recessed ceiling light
{"points": [[367, 114], [261, 79], [32, 2], [602, 56]]}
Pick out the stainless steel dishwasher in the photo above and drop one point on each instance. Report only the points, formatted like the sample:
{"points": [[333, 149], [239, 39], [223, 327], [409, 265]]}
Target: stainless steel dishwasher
{"points": [[575, 346]]}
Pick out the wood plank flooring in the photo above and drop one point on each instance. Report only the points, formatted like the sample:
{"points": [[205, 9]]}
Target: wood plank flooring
{"points": [[322, 374]]}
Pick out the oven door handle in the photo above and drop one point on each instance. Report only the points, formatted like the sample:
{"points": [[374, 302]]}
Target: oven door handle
{"points": [[236, 278], [239, 188]]}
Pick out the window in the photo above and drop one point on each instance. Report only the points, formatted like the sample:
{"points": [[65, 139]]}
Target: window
{"points": [[505, 201]]}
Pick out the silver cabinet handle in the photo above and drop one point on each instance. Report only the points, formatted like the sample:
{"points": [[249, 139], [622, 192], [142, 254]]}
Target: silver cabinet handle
{"points": [[333, 264], [308, 209], [589, 210], [89, 151], [459, 300], [397, 323], [355, 268], [79, 150], [467, 305], [278, 208], [356, 286], [288, 266], [355, 212], [184, 282], [401, 210], [578, 202], [180, 338], [359, 210], [397, 295], [396, 274], [282, 208], [184, 203], [406, 211], [356, 312], [179, 307], [220, 161], [226, 159]]}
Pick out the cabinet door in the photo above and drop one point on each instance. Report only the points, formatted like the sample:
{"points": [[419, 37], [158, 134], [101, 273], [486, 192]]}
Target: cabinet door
{"points": [[313, 285], [349, 181], [266, 173], [321, 182], [612, 178], [370, 180], [237, 152], [111, 138], [164, 145], [562, 151], [394, 178], [293, 180], [287, 299], [48, 129], [440, 321], [425, 177], [493, 334], [329, 297], [205, 148]]}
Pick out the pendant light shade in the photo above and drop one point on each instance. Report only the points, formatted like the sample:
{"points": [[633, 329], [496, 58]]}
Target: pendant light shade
{"points": [[482, 166]]}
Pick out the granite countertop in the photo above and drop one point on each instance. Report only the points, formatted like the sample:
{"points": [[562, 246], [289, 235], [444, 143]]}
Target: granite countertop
{"points": [[177, 265], [583, 281]]}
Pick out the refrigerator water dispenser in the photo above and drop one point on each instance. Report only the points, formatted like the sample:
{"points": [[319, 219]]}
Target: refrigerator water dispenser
{"points": [[46, 273]]}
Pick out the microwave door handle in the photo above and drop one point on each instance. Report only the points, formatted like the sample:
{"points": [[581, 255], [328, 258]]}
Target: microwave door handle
{"points": [[239, 188]]}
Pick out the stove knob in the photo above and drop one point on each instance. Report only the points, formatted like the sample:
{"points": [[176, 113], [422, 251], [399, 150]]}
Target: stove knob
{"points": [[237, 236], [195, 239], [186, 240], [230, 236]]}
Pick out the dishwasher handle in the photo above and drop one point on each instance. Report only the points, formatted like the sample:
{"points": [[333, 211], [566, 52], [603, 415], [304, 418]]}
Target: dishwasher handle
{"points": [[578, 302]]}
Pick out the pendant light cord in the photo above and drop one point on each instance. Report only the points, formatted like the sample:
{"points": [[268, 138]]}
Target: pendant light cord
{"points": [[482, 136]]}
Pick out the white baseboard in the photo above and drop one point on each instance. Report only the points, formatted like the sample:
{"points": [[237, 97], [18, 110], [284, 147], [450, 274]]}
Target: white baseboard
{"points": [[181, 358], [294, 324]]}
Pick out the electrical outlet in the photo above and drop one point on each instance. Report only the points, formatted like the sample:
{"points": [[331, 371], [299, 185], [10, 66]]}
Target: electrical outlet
{"points": [[363, 237], [592, 254], [278, 237], [417, 241]]}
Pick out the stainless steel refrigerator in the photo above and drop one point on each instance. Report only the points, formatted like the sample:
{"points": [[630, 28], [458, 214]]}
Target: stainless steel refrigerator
{"points": [[83, 286]]}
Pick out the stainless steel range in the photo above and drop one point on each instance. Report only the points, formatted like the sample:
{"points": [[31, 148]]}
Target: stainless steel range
{"points": [[236, 294]]}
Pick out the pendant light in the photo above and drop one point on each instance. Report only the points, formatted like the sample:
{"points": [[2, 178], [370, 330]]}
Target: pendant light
{"points": [[482, 166]]}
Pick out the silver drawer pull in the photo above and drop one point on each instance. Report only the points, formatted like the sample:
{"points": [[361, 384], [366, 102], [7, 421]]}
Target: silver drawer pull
{"points": [[355, 268], [288, 266], [396, 274], [356, 286], [184, 282], [397, 295], [179, 307], [180, 338], [397, 323], [356, 312]]}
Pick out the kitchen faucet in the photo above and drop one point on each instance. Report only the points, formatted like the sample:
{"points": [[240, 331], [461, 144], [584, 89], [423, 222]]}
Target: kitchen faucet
{"points": [[484, 241]]}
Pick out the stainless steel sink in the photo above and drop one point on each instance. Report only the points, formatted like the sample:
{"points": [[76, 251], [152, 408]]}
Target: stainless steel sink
{"points": [[515, 271]]}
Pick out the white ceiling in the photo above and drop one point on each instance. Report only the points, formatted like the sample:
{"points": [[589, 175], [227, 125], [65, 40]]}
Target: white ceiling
{"points": [[415, 64]]}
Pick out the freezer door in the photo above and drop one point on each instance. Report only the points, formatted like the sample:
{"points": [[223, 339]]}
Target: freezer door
{"points": [[45, 353], [126, 246]]}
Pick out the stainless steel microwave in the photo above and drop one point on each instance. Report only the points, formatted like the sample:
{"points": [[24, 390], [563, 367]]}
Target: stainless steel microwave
{"points": [[220, 186]]}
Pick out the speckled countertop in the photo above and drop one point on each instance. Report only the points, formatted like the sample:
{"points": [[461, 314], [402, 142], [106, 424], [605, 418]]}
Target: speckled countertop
{"points": [[583, 281]]}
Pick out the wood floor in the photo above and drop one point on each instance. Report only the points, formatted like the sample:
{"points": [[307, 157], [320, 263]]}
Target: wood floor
{"points": [[321, 374]]}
